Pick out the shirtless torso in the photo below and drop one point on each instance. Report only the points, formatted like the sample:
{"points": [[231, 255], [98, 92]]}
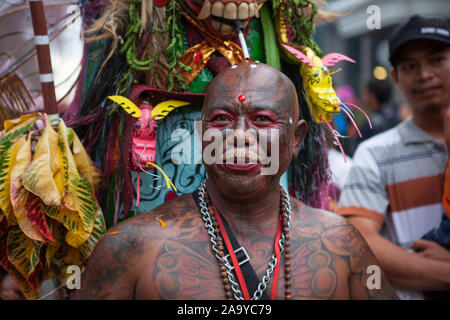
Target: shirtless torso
{"points": [[139, 259], [329, 259]]}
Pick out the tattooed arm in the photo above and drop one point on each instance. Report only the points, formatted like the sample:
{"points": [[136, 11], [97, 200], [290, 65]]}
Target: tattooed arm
{"points": [[111, 271], [367, 280]]}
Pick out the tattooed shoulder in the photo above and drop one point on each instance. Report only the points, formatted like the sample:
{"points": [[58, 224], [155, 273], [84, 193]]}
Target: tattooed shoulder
{"points": [[115, 264], [350, 261]]}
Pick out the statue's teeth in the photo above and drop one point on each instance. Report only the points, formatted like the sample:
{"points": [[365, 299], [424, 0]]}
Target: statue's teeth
{"points": [[230, 11], [217, 9], [253, 10], [243, 11], [206, 10], [216, 25], [226, 28]]}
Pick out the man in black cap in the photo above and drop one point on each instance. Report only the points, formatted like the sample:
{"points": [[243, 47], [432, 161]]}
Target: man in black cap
{"points": [[393, 193]]}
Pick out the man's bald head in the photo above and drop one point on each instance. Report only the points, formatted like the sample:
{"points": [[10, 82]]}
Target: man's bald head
{"points": [[258, 84], [252, 109]]}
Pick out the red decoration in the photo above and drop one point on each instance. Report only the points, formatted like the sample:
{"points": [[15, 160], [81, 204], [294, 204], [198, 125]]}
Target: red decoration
{"points": [[161, 3], [241, 98], [170, 195]]}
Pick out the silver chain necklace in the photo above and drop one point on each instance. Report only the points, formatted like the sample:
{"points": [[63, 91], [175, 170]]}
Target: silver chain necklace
{"points": [[272, 263]]}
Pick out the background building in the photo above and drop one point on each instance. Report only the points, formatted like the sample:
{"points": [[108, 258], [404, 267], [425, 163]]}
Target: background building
{"points": [[362, 33]]}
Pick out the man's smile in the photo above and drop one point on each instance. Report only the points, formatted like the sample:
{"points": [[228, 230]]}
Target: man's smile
{"points": [[427, 92], [244, 168]]}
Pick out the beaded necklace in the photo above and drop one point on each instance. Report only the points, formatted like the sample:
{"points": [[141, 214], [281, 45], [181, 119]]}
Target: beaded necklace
{"points": [[231, 286]]}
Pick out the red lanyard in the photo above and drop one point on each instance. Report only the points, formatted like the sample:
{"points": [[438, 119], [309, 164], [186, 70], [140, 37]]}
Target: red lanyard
{"points": [[236, 263], [276, 272]]}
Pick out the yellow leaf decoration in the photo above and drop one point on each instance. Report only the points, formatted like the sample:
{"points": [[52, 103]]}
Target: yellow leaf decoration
{"points": [[8, 161], [68, 218], [164, 108], [38, 178], [7, 158], [127, 105], [49, 216], [23, 252], [76, 240], [79, 255], [84, 163], [18, 194], [53, 252], [80, 198], [24, 287], [67, 160], [20, 122]]}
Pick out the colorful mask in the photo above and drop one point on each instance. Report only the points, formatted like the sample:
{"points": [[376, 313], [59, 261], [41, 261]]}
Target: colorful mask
{"points": [[318, 85], [143, 141]]}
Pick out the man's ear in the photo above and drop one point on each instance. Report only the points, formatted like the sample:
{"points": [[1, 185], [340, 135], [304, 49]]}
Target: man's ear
{"points": [[301, 127]]}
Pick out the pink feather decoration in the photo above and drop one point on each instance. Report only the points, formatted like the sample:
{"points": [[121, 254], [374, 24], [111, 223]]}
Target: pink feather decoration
{"points": [[332, 58], [299, 55]]}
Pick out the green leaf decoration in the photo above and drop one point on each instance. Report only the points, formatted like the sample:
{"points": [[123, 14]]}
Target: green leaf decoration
{"points": [[23, 252]]}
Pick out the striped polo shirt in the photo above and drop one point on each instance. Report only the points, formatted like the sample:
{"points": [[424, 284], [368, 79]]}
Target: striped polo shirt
{"points": [[397, 179]]}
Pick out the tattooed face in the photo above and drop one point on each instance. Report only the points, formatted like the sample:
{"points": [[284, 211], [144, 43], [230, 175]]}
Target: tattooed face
{"points": [[215, 13], [246, 104]]}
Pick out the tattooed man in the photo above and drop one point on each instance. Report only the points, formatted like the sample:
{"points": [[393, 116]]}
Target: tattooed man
{"points": [[167, 253]]}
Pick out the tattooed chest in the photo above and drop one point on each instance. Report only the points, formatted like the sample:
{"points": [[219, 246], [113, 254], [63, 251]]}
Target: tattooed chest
{"points": [[192, 272]]}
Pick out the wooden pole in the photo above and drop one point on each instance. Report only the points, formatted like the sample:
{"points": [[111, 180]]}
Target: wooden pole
{"points": [[41, 41]]}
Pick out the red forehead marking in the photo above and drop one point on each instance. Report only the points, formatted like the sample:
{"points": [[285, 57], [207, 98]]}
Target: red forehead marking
{"points": [[241, 98]]}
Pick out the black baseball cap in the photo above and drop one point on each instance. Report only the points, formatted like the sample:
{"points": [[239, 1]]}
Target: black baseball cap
{"points": [[418, 28]]}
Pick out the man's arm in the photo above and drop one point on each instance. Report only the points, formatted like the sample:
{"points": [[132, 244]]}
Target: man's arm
{"points": [[363, 272], [430, 249], [404, 269], [111, 269]]}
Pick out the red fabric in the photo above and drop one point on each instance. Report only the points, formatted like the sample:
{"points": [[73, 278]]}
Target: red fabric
{"points": [[161, 3], [237, 268], [291, 191], [276, 272], [215, 64]]}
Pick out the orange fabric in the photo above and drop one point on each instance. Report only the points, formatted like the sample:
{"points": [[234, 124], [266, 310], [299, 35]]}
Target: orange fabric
{"points": [[420, 191], [358, 211]]}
